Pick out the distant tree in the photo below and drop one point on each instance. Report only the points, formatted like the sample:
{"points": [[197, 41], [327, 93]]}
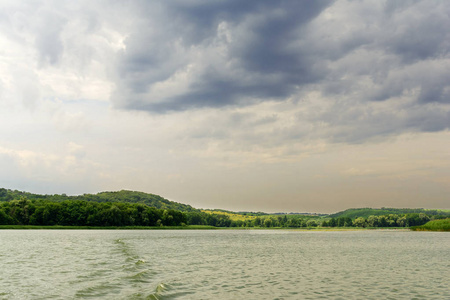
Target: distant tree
{"points": [[311, 223], [424, 218], [359, 222], [237, 223], [167, 218], [268, 222], [21, 210], [332, 222], [51, 213], [348, 222], [114, 216], [382, 221], [3, 193], [285, 220], [195, 218], [4, 218], [401, 222], [372, 221]]}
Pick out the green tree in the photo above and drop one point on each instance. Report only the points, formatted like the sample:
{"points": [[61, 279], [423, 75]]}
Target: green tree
{"points": [[359, 222], [21, 210], [268, 222], [51, 214], [332, 222], [372, 221], [311, 223], [4, 218]]}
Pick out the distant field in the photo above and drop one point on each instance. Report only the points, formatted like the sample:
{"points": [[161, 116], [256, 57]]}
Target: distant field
{"points": [[232, 216]]}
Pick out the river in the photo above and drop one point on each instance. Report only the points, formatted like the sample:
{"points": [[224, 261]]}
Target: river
{"points": [[223, 264]]}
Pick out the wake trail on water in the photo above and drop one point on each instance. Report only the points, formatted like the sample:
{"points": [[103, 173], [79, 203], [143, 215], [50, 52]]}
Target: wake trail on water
{"points": [[142, 278], [131, 272]]}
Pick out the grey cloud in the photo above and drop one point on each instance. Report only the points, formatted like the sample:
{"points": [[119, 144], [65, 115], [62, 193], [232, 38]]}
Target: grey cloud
{"points": [[48, 40], [44, 21], [190, 55], [273, 51], [270, 44], [245, 52], [385, 48], [361, 122], [261, 60], [435, 85], [419, 33], [429, 80], [54, 29], [392, 7], [242, 129]]}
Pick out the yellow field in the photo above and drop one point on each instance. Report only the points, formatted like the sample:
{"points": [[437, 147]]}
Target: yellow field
{"points": [[233, 217]]}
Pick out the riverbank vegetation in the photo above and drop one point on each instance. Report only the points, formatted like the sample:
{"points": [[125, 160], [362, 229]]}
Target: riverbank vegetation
{"points": [[60, 227], [126, 209], [435, 225]]}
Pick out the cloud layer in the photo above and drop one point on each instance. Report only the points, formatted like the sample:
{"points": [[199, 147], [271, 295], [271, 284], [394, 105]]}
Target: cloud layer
{"points": [[153, 95], [212, 54]]}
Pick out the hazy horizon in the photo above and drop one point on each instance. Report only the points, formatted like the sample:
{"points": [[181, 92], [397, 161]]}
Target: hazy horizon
{"points": [[274, 106]]}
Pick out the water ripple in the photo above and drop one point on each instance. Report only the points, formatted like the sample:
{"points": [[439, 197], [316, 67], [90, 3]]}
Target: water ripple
{"points": [[223, 265]]}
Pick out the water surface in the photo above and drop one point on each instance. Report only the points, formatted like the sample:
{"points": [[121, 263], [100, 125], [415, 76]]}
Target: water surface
{"points": [[223, 264]]}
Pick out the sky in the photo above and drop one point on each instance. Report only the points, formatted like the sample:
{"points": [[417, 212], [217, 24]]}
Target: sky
{"points": [[274, 106]]}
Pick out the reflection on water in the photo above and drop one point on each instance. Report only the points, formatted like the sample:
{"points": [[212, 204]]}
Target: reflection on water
{"points": [[224, 264]]}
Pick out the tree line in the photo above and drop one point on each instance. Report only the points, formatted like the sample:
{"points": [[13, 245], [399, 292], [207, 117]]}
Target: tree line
{"points": [[391, 220], [44, 212], [84, 213]]}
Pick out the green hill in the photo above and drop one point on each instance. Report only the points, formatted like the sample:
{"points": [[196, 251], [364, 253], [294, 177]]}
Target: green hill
{"points": [[354, 213], [120, 196], [159, 202]]}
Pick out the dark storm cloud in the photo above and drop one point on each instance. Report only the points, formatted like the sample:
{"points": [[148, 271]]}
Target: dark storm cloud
{"points": [[262, 61], [172, 56], [273, 50], [213, 90], [415, 33]]}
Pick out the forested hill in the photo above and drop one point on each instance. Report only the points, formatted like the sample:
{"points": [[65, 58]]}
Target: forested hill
{"points": [[354, 213], [121, 196], [159, 202]]}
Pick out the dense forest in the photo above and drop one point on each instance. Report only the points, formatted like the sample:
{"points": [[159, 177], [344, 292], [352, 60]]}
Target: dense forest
{"points": [[126, 208], [85, 213], [121, 196]]}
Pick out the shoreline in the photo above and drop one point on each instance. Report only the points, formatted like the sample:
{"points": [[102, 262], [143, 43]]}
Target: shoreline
{"points": [[194, 227]]}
